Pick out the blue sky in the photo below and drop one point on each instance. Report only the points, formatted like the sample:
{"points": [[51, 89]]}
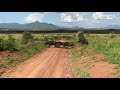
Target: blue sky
{"points": [[69, 19]]}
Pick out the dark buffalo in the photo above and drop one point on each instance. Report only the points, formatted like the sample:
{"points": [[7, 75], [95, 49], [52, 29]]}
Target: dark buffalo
{"points": [[68, 44], [50, 43], [58, 44]]}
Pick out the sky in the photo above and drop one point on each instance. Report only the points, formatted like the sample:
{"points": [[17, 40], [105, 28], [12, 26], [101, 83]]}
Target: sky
{"points": [[68, 19]]}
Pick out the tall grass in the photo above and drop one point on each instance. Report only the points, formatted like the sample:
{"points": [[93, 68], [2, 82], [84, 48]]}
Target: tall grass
{"points": [[26, 50], [107, 44]]}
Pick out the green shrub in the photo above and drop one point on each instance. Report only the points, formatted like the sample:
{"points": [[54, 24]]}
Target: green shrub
{"points": [[2, 43], [113, 36], [82, 74], [27, 37], [81, 38], [10, 44]]}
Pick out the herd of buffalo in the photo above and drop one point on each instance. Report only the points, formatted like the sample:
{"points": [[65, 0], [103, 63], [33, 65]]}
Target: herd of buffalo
{"points": [[60, 44]]}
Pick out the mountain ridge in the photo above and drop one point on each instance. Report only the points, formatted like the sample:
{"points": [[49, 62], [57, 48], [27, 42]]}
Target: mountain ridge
{"points": [[33, 26], [115, 26]]}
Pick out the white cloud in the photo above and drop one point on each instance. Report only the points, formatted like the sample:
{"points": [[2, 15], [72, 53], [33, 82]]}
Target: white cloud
{"points": [[66, 17], [79, 17], [34, 17], [101, 16], [71, 17]]}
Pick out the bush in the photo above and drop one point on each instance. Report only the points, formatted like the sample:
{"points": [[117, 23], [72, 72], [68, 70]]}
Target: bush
{"points": [[27, 37], [10, 43], [2, 43], [113, 36], [46, 39], [81, 38]]}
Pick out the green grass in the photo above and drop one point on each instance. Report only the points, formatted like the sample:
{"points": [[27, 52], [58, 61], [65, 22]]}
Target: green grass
{"points": [[106, 45], [83, 74], [26, 50], [75, 54], [26, 53]]}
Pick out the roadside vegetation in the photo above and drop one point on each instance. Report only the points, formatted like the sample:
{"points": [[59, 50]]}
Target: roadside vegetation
{"points": [[26, 45], [107, 45], [25, 48], [20, 47]]}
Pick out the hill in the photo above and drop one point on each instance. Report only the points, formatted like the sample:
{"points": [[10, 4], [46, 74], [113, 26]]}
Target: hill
{"points": [[32, 26], [113, 27]]}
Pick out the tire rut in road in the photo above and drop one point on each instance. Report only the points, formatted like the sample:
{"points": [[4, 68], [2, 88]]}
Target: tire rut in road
{"points": [[54, 62], [25, 70], [44, 66]]}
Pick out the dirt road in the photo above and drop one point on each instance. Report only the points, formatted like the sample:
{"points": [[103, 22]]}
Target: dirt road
{"points": [[52, 63]]}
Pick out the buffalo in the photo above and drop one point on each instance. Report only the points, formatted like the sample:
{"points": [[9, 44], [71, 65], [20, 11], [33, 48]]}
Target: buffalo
{"points": [[68, 44], [59, 44], [50, 43]]}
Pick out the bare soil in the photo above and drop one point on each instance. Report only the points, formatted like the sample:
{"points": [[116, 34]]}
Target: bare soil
{"points": [[96, 66], [6, 54]]}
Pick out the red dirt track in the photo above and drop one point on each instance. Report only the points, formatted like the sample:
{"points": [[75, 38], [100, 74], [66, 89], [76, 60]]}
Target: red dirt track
{"points": [[52, 63]]}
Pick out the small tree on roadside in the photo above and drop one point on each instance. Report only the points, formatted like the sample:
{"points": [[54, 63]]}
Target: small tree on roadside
{"points": [[81, 38], [46, 38], [2, 43], [27, 37], [10, 43]]}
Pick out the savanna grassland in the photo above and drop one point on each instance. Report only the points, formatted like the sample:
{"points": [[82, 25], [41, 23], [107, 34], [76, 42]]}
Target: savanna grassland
{"points": [[100, 58], [103, 49]]}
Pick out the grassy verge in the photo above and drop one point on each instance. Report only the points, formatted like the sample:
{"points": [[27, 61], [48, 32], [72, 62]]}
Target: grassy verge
{"points": [[74, 53], [26, 51], [82, 74], [107, 45]]}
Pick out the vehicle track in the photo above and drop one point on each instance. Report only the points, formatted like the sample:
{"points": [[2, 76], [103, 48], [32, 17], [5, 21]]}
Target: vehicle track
{"points": [[49, 64]]}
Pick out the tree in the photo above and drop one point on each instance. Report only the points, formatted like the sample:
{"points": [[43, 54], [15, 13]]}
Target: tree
{"points": [[27, 37], [81, 38]]}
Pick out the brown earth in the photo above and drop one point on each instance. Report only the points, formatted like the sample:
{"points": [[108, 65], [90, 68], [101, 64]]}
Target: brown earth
{"points": [[6, 54], [96, 66], [52, 63]]}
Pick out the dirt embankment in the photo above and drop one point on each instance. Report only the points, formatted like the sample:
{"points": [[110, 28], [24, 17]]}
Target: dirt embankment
{"points": [[95, 65]]}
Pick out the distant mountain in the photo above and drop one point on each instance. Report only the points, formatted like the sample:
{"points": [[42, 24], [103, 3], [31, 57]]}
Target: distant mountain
{"points": [[32, 26], [75, 27], [113, 27]]}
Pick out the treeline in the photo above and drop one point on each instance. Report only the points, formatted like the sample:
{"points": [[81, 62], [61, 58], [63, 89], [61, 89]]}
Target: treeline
{"points": [[105, 31]]}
